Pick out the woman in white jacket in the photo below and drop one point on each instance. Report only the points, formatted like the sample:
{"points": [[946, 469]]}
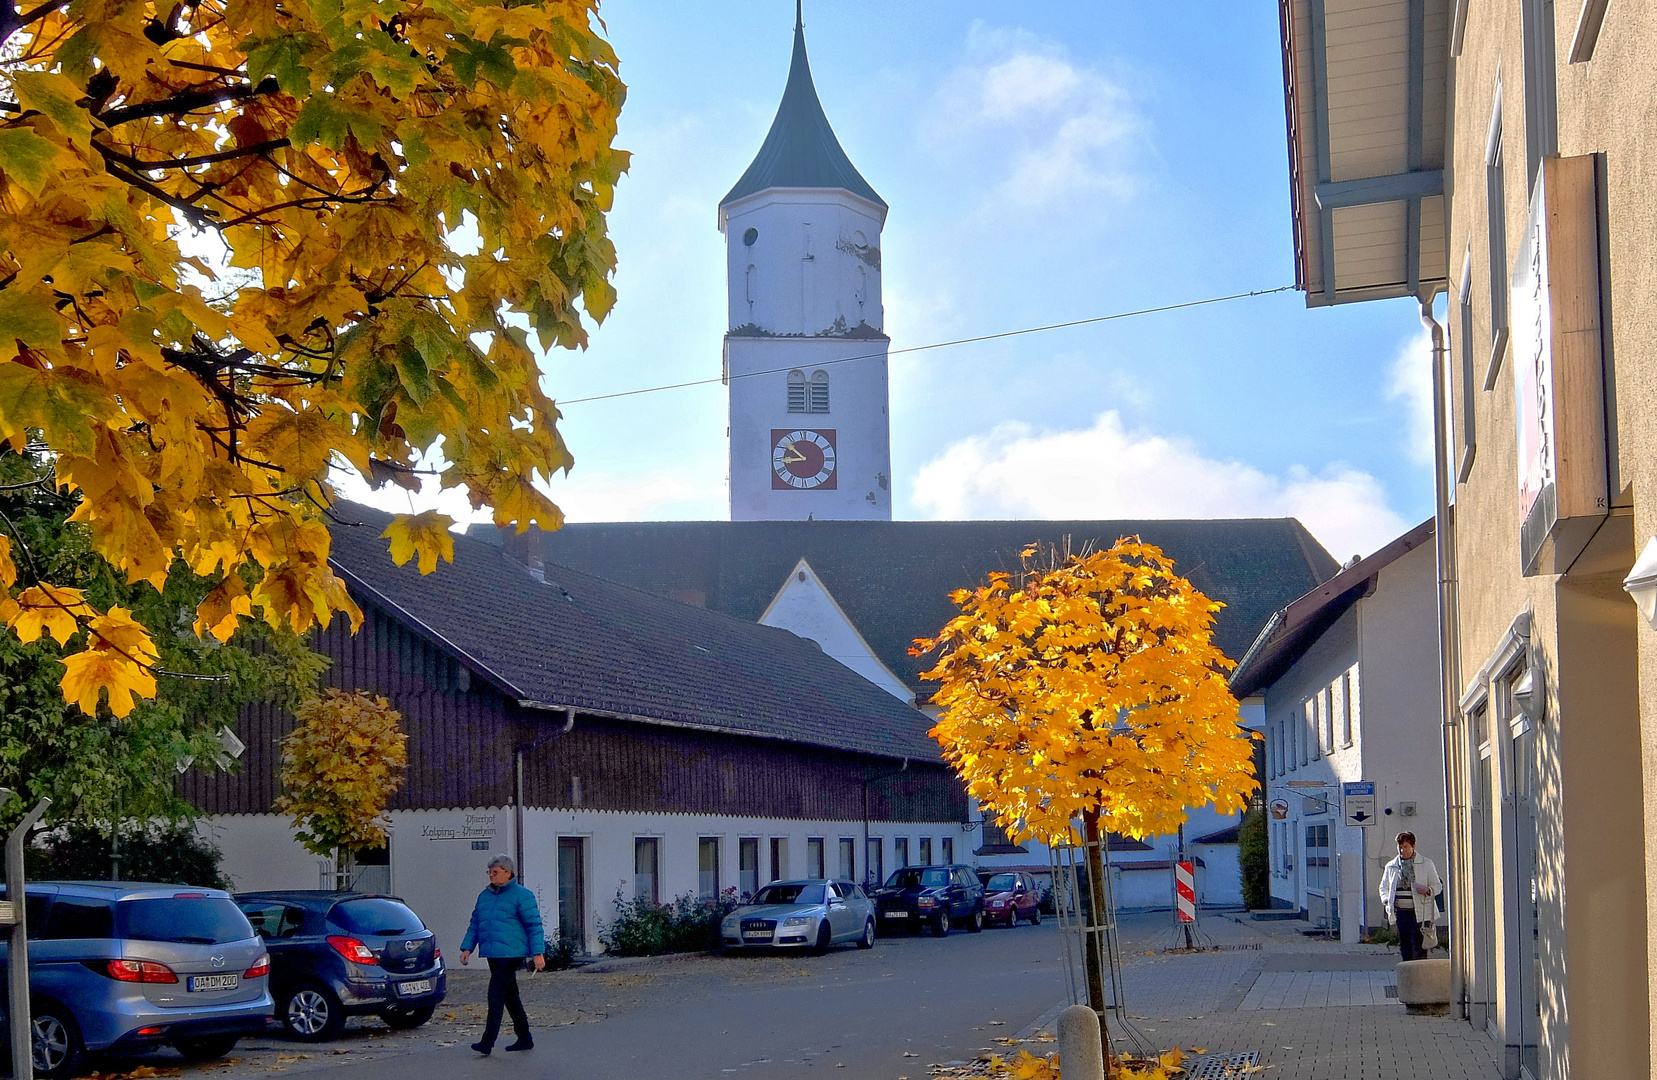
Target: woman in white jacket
{"points": [[1408, 885]]}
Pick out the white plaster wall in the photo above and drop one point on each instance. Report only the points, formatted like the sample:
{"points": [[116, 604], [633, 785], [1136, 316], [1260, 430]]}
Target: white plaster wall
{"points": [[804, 606], [815, 259], [1404, 747], [435, 868], [857, 415]]}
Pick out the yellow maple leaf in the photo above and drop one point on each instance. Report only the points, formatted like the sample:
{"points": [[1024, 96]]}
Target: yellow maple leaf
{"points": [[8, 569], [48, 609], [220, 610], [91, 673], [426, 535]]}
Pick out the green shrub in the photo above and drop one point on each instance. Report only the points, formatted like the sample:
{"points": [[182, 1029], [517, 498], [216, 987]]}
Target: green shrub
{"points": [[171, 854], [1254, 859], [688, 923], [560, 952]]}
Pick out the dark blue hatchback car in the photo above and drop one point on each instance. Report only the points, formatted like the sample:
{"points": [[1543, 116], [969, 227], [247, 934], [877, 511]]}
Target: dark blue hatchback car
{"points": [[339, 954]]}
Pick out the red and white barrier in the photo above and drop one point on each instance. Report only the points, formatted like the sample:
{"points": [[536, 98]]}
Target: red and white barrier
{"points": [[1185, 891]]}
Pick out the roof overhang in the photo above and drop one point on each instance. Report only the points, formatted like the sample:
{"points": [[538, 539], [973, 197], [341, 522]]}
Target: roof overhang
{"points": [[811, 196], [1365, 87], [1292, 630]]}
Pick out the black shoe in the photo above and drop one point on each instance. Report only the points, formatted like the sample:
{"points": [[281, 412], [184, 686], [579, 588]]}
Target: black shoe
{"points": [[521, 1044], [482, 1049]]}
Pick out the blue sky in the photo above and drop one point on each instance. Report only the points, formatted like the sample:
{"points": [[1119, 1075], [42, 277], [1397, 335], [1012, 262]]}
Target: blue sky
{"points": [[1043, 162]]}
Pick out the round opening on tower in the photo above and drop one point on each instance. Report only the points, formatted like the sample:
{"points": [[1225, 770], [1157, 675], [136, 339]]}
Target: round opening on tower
{"points": [[750, 236]]}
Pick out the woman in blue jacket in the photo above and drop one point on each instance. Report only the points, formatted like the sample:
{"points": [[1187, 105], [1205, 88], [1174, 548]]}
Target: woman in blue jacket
{"points": [[505, 929]]}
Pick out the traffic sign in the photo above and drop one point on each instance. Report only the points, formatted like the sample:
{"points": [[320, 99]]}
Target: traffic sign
{"points": [[1359, 797], [1185, 891]]}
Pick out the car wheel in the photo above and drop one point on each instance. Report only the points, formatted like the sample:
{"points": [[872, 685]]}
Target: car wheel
{"points": [[867, 941], [58, 1051], [975, 923], [207, 1047], [401, 1019], [824, 939], [940, 927], [311, 1013], [1035, 917]]}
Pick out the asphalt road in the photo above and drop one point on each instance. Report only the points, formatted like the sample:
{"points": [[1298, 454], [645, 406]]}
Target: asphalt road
{"points": [[881, 1014]]}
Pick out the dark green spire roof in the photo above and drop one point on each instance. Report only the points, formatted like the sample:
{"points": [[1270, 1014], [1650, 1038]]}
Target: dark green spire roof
{"points": [[801, 151]]}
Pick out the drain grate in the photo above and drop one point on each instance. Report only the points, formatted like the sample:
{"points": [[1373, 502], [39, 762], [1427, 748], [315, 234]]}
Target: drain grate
{"points": [[1392, 991], [1219, 1066]]}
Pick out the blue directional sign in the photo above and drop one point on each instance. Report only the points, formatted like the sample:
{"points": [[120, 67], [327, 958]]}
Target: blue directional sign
{"points": [[1359, 799]]}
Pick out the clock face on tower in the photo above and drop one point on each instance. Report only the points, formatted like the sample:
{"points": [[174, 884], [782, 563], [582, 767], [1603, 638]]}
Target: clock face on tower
{"points": [[802, 459]]}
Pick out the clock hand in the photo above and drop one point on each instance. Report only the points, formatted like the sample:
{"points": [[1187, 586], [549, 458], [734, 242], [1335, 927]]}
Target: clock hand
{"points": [[793, 454]]}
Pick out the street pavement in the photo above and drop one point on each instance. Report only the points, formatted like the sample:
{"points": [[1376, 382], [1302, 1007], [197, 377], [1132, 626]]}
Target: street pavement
{"points": [[917, 1007]]}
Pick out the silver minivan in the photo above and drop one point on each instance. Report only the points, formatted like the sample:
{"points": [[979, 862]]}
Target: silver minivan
{"points": [[120, 967]]}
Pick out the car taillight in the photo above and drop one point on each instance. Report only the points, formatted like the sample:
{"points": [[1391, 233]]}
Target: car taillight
{"points": [[353, 950], [140, 971], [260, 967]]}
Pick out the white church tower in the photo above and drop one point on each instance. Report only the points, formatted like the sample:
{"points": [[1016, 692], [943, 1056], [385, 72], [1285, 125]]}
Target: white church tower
{"points": [[805, 358]]}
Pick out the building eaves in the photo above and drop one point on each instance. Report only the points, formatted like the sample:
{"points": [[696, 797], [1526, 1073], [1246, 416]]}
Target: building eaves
{"points": [[1294, 628]]}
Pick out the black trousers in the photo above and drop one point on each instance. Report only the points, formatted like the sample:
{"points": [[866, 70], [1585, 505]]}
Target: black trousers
{"points": [[503, 992], [1409, 937]]}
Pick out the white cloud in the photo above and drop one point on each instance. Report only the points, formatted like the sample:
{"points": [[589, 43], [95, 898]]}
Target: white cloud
{"points": [[1053, 128], [1410, 380], [1107, 471]]}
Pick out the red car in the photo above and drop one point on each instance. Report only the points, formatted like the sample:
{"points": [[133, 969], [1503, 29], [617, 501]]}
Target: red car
{"points": [[1010, 896]]}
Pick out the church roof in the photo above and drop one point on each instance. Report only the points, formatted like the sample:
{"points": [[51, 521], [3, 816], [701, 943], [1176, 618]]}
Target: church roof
{"points": [[800, 151], [893, 578], [610, 650]]}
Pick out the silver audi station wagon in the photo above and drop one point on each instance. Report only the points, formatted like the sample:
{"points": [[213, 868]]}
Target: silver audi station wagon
{"points": [[811, 915]]}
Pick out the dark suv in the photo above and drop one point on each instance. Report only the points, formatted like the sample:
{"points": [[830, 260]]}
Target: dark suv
{"points": [[938, 897], [339, 954]]}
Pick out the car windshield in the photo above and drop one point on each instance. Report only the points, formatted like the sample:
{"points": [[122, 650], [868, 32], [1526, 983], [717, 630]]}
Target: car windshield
{"points": [[196, 920], [790, 894], [1002, 883], [382, 918], [915, 876]]}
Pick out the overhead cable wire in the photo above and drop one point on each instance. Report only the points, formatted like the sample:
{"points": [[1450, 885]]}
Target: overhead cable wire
{"points": [[934, 345]]}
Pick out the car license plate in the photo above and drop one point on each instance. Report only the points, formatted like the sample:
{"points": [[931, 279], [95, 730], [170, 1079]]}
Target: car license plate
{"points": [[765, 934], [418, 986], [213, 982], [897, 914]]}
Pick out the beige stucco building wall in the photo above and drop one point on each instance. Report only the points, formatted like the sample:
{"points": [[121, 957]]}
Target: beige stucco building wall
{"points": [[1578, 985]]}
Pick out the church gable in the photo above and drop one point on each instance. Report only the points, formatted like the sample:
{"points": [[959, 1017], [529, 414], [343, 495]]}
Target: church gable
{"points": [[805, 607]]}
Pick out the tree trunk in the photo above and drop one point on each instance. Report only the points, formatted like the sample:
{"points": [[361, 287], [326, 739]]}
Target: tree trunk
{"points": [[1094, 933]]}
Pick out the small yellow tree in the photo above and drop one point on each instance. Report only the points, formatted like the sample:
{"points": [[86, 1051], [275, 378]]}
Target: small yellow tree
{"points": [[1090, 690], [340, 767]]}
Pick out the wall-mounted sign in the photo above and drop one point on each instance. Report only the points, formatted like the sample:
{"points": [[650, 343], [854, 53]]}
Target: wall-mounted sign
{"points": [[1558, 381], [1279, 809], [1359, 797], [476, 827]]}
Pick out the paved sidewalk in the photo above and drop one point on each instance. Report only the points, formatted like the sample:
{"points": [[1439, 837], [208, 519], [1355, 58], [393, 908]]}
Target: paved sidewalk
{"points": [[1313, 1010]]}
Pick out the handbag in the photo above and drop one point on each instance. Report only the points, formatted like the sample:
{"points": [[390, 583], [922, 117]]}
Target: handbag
{"points": [[1429, 935]]}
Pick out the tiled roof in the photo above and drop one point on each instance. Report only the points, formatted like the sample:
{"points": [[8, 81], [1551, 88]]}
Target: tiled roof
{"points": [[575, 640], [800, 150], [893, 578]]}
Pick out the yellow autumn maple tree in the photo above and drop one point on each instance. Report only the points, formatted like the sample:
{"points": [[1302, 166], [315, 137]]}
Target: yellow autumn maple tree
{"points": [[1090, 690], [340, 767], [243, 242]]}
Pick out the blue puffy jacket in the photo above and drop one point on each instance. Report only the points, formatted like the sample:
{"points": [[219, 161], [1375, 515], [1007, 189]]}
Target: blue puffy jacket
{"points": [[506, 921]]}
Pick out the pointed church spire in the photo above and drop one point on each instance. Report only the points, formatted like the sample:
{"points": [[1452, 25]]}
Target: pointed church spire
{"points": [[800, 151]]}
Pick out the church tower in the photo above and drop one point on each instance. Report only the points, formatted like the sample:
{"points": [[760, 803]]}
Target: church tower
{"points": [[805, 356]]}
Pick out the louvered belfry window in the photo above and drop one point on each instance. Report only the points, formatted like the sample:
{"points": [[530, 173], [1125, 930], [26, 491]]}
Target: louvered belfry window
{"points": [[797, 392], [819, 392]]}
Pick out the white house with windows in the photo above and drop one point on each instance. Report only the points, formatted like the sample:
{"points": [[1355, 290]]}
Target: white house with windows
{"points": [[1348, 679]]}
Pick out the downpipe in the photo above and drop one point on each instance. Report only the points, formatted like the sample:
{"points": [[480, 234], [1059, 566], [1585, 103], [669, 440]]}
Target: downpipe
{"points": [[1448, 661], [519, 752]]}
